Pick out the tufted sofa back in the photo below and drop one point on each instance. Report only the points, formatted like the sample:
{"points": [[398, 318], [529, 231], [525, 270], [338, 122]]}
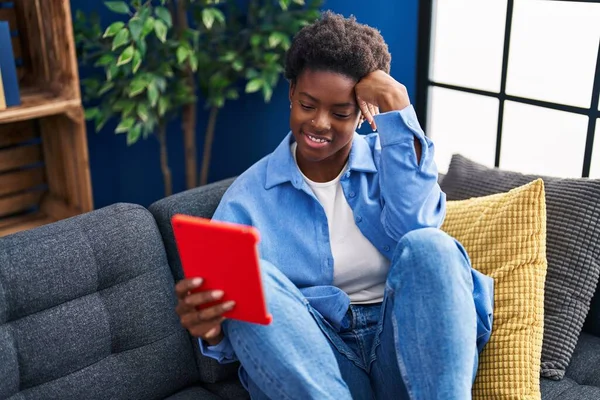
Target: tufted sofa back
{"points": [[87, 311]]}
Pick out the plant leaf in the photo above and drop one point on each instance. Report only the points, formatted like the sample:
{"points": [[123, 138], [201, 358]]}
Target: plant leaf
{"points": [[219, 16], [134, 134], [143, 112], [120, 7], [137, 60], [274, 39], [152, 94], [126, 56], [232, 94], [163, 105], [165, 15], [161, 30], [255, 40], [113, 29], [105, 59], [254, 85], [193, 62], [208, 18], [135, 27], [136, 87], [121, 39], [105, 88], [91, 113], [125, 125], [267, 92], [284, 4], [148, 26], [300, 2], [182, 54], [237, 65], [111, 71]]}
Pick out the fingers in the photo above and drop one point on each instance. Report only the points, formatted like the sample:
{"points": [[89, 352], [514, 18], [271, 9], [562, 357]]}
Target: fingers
{"points": [[374, 110], [207, 330], [366, 112], [206, 316], [184, 286]]}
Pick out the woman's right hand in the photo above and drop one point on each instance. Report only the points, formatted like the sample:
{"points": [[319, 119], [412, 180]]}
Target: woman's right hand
{"points": [[204, 323]]}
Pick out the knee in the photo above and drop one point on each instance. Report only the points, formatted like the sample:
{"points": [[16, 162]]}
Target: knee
{"points": [[430, 253]]}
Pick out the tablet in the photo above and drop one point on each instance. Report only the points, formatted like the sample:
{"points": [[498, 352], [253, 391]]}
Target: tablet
{"points": [[225, 256]]}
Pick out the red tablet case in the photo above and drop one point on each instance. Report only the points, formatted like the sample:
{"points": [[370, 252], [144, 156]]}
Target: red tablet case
{"points": [[225, 256]]}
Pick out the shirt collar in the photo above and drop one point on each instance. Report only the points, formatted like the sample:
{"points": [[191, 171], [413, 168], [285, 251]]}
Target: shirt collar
{"points": [[282, 168]]}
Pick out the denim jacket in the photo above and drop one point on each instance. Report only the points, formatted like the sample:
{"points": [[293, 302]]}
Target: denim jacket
{"points": [[390, 194]]}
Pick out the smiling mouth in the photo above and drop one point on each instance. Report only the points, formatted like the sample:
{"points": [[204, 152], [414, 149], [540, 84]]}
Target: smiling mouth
{"points": [[316, 139]]}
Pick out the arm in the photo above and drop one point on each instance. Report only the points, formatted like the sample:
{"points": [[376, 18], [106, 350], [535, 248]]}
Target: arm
{"points": [[410, 194]]}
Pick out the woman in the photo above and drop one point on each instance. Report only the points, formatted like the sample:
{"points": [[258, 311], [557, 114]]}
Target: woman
{"points": [[369, 297]]}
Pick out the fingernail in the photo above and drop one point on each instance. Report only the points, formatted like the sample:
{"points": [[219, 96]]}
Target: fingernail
{"points": [[197, 281], [228, 305], [217, 294], [211, 333]]}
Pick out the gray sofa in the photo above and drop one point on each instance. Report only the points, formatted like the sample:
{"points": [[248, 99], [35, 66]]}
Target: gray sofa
{"points": [[87, 312]]}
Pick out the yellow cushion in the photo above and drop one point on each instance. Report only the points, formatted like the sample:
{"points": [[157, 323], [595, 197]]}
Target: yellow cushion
{"points": [[505, 236]]}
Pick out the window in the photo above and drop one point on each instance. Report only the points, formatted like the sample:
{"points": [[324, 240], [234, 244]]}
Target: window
{"points": [[512, 83]]}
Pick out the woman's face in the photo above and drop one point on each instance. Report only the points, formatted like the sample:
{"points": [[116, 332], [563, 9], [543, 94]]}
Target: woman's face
{"points": [[323, 118]]}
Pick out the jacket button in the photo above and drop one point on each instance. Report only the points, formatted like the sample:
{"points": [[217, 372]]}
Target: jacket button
{"points": [[386, 248], [358, 218], [352, 194]]}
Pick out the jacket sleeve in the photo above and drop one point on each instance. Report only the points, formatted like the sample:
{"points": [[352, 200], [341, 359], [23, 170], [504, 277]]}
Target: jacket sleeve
{"points": [[410, 195]]}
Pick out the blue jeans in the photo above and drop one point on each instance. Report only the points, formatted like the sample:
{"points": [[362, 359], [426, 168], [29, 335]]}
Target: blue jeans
{"points": [[420, 343]]}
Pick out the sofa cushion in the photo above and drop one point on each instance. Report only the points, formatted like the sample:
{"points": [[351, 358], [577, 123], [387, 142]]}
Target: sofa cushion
{"points": [[87, 311], [573, 248], [201, 202], [505, 237], [582, 380]]}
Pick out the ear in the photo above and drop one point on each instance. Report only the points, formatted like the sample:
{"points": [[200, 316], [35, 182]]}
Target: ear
{"points": [[292, 90]]}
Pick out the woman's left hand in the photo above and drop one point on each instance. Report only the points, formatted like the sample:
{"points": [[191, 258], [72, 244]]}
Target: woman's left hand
{"points": [[378, 91]]}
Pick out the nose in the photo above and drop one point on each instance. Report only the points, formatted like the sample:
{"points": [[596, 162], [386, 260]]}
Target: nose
{"points": [[321, 122]]}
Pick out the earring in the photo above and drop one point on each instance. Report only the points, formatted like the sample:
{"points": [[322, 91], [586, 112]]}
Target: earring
{"points": [[290, 105]]}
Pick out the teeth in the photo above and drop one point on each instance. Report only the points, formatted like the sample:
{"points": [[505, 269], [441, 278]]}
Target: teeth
{"points": [[314, 139]]}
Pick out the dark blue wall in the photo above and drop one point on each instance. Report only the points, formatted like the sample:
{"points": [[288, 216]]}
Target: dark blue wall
{"points": [[247, 129]]}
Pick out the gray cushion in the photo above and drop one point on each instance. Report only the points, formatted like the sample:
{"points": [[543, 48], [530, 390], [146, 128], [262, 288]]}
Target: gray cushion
{"points": [[573, 248], [194, 393], [87, 311], [582, 379], [231, 389], [201, 202]]}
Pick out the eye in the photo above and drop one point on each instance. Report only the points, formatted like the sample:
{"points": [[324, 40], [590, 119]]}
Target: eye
{"points": [[342, 116], [305, 107]]}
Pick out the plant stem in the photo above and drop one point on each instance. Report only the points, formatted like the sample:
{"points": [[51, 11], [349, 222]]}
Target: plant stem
{"points": [[208, 141], [164, 161], [188, 112]]}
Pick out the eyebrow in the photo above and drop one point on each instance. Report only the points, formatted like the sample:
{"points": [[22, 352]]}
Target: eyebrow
{"points": [[335, 105]]}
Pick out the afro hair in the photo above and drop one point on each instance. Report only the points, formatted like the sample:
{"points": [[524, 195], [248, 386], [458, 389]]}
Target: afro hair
{"points": [[337, 44]]}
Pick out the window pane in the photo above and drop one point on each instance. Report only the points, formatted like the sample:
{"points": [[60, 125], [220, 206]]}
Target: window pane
{"points": [[542, 141], [462, 123], [467, 43], [553, 50], [595, 169]]}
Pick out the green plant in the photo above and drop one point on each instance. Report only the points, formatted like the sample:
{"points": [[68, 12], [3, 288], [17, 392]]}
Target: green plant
{"points": [[152, 62], [141, 83]]}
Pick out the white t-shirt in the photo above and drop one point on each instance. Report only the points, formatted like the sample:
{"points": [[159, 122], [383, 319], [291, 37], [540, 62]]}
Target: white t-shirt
{"points": [[359, 269]]}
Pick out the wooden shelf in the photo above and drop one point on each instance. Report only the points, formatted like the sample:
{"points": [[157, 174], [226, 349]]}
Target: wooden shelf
{"points": [[22, 223], [44, 166], [37, 103]]}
